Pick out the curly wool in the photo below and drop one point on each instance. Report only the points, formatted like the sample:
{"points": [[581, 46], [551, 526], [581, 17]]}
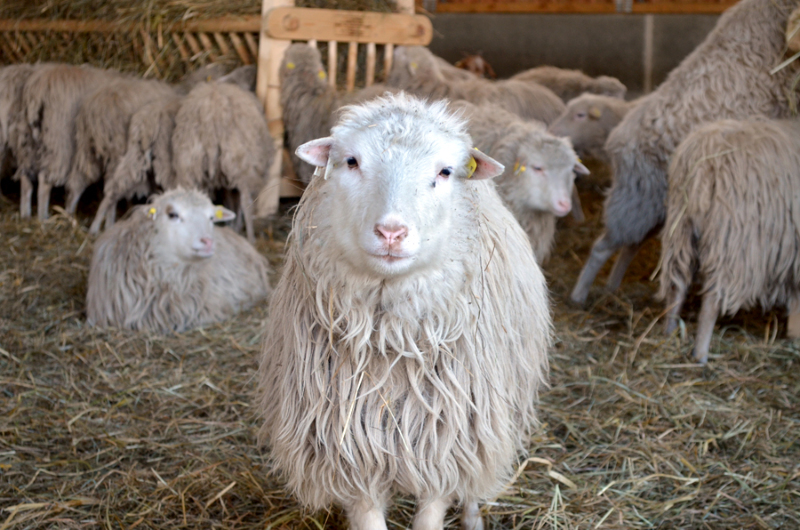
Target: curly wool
{"points": [[131, 288], [12, 120], [732, 214]]}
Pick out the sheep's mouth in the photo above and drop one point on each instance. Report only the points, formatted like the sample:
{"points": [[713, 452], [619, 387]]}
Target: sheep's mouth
{"points": [[390, 258], [203, 252]]}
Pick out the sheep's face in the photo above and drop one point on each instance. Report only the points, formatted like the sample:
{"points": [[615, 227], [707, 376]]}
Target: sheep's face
{"points": [[184, 225], [587, 123], [394, 200], [412, 65], [546, 174]]}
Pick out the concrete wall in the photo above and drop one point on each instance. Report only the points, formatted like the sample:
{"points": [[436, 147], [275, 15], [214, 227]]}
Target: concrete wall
{"points": [[628, 47]]}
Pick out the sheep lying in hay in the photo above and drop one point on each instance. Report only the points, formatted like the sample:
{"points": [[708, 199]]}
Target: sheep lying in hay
{"points": [[390, 367], [309, 102], [734, 192], [51, 98], [569, 84], [101, 130], [12, 81], [539, 174], [726, 77], [588, 120], [146, 165], [167, 268], [221, 141], [416, 70]]}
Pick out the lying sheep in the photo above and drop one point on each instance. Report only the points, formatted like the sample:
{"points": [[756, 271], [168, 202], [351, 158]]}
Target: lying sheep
{"points": [[146, 165], [539, 171], [588, 120], [166, 268], [734, 194], [101, 130], [309, 102], [221, 141], [415, 70], [727, 76], [569, 84], [51, 97], [391, 366]]}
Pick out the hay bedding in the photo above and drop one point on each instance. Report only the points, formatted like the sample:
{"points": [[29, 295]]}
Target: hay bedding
{"points": [[124, 430]]}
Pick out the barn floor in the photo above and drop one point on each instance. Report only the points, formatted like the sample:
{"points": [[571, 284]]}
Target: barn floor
{"points": [[123, 430]]}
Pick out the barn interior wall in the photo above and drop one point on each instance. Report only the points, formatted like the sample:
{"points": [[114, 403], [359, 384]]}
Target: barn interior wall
{"points": [[597, 44]]}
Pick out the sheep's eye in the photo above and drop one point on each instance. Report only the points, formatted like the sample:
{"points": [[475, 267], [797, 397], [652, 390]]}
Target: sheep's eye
{"points": [[538, 169], [352, 163], [173, 215], [446, 172], [581, 115]]}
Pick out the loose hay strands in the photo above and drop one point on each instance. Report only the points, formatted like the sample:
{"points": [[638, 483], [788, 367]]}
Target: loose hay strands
{"points": [[123, 430]]}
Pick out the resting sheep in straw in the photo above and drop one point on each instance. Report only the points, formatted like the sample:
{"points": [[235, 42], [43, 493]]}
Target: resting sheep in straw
{"points": [[167, 268], [408, 335]]}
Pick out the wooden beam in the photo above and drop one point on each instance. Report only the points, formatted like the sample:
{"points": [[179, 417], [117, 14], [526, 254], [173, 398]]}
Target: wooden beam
{"points": [[299, 23], [527, 6], [250, 23]]}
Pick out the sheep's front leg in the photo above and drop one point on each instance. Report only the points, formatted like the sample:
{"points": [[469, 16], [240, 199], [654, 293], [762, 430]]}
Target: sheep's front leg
{"points": [[601, 251], [675, 299], [25, 195], [364, 515], [705, 327], [43, 197], [430, 514], [621, 265], [471, 517]]}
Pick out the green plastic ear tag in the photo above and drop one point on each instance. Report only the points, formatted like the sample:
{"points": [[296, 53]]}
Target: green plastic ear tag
{"points": [[472, 165]]}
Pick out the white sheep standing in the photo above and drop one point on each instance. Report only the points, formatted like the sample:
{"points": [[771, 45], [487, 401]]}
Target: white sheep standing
{"points": [[167, 268], [734, 194], [539, 174], [221, 141], [408, 335]]}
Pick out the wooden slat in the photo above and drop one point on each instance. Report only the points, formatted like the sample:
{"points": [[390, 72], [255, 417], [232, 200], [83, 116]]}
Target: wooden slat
{"points": [[23, 43], [299, 23], [405, 6], [388, 55], [208, 46], [241, 49], [332, 62], [219, 38], [250, 40], [193, 44], [313, 43], [585, 8], [370, 74], [251, 23], [352, 60], [13, 48], [176, 38]]}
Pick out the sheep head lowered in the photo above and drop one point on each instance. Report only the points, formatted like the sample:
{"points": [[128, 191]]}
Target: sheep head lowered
{"points": [[396, 176], [184, 225]]}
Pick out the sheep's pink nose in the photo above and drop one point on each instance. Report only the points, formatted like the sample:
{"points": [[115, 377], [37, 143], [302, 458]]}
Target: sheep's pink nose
{"points": [[207, 242], [563, 206], [391, 233]]}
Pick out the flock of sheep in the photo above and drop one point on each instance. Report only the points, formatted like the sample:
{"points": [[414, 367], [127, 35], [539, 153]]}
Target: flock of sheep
{"points": [[408, 334]]}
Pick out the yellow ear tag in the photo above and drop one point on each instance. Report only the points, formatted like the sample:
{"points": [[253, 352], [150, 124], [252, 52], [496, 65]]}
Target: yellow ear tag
{"points": [[151, 213], [579, 160], [219, 214], [414, 65], [321, 74], [290, 66], [472, 165]]}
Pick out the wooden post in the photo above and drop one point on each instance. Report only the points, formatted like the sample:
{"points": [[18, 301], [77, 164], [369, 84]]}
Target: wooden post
{"points": [[370, 76], [352, 63], [405, 7], [270, 54]]}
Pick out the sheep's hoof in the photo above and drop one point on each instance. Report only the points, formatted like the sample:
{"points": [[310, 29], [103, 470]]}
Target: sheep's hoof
{"points": [[700, 358]]}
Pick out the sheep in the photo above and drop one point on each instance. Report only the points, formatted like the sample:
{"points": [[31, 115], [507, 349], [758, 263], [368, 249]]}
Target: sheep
{"points": [[204, 74], [221, 140], [588, 120], [408, 333], [101, 130], [415, 70], [734, 191], [727, 76], [147, 161], [167, 268], [309, 102], [12, 80], [539, 169], [476, 65], [50, 100], [569, 84], [452, 72]]}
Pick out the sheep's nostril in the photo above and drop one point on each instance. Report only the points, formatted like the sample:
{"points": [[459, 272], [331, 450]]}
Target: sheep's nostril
{"points": [[391, 233], [207, 242]]}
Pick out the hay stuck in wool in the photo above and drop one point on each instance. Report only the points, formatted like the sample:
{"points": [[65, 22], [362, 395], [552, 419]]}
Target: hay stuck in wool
{"points": [[122, 430]]}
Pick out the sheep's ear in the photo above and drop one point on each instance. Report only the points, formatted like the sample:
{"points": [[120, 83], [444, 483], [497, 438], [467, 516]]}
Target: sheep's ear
{"points": [[222, 214], [481, 166], [316, 152], [580, 169]]}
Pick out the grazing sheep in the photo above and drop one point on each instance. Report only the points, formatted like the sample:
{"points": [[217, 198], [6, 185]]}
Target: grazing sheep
{"points": [[101, 130], [569, 84], [168, 268], [12, 81], [51, 97], [539, 171], [221, 141], [416, 70], [476, 65], [588, 120], [734, 194], [309, 102], [408, 334], [727, 76], [147, 163]]}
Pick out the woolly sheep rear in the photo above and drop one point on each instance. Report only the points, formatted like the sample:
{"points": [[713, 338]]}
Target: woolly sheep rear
{"points": [[569, 84]]}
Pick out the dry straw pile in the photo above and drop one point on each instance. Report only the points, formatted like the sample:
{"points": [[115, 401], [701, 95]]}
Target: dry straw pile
{"points": [[127, 430]]}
